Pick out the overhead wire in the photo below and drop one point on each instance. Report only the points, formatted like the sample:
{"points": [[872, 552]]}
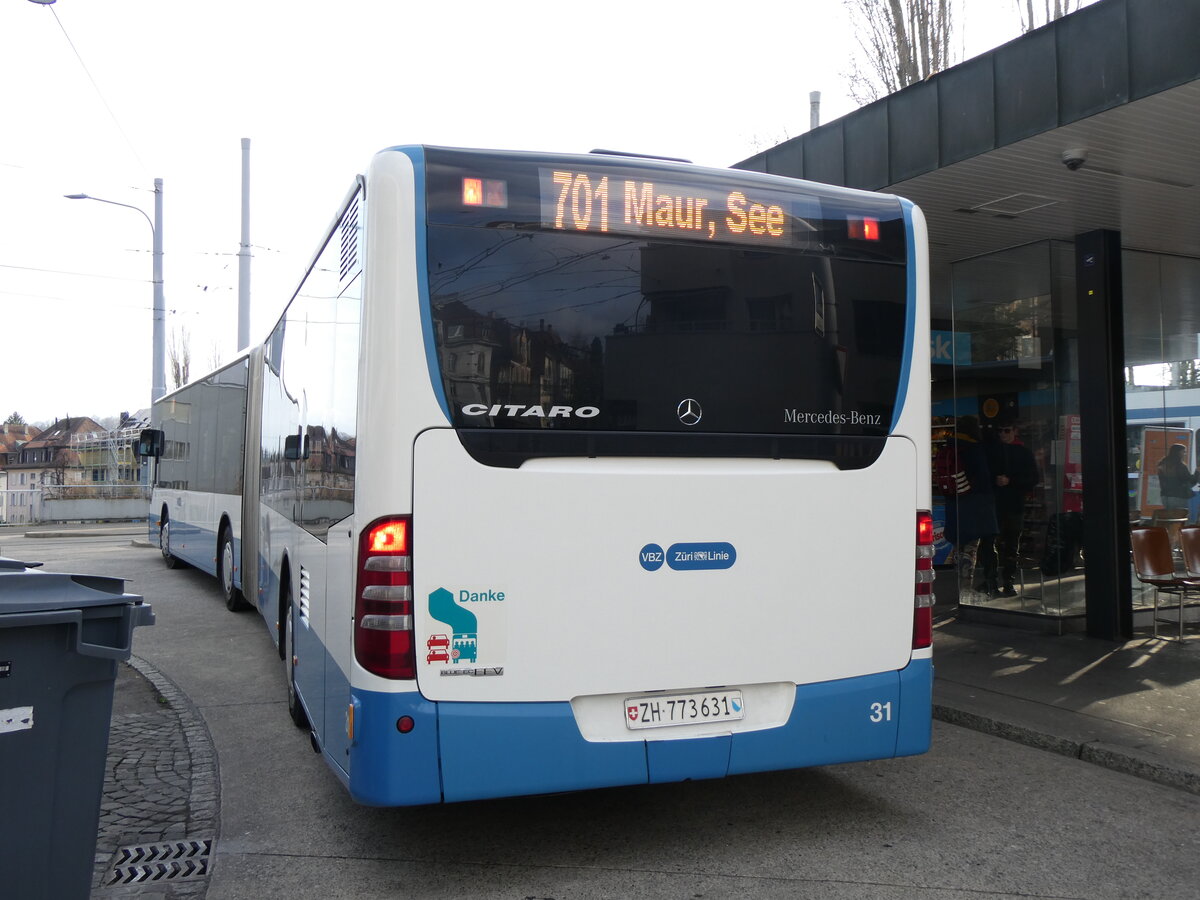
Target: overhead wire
{"points": [[99, 93], [66, 272], [89, 301]]}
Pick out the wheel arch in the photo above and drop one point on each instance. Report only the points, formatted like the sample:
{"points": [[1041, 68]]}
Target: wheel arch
{"points": [[226, 521], [285, 587]]}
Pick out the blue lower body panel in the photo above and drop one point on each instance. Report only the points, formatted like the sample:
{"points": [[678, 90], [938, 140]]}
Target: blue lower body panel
{"points": [[472, 751], [502, 750], [386, 767]]}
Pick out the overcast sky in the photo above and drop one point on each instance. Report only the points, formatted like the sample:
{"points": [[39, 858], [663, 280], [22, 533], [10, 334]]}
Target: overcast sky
{"points": [[102, 96]]}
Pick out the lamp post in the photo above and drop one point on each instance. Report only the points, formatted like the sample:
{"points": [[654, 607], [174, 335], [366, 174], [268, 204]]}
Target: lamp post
{"points": [[159, 382]]}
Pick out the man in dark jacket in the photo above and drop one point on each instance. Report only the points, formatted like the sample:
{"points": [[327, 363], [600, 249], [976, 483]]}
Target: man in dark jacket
{"points": [[1015, 474], [968, 486]]}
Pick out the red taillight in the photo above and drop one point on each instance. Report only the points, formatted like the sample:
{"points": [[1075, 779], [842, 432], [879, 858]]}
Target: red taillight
{"points": [[383, 606], [923, 588], [865, 229]]}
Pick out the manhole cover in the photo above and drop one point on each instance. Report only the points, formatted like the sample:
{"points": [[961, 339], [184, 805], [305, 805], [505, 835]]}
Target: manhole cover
{"points": [[150, 863]]}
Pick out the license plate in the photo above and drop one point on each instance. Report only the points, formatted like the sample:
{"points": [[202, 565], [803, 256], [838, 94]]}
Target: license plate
{"points": [[661, 710]]}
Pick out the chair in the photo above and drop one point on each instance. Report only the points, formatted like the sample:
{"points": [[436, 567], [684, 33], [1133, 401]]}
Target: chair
{"points": [[1173, 520], [1154, 565], [1189, 539]]}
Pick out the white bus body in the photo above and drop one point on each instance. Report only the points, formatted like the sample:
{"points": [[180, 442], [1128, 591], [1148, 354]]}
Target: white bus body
{"points": [[554, 480]]}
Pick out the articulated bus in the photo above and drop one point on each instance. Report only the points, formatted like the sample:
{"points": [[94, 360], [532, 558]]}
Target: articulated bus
{"points": [[565, 472]]}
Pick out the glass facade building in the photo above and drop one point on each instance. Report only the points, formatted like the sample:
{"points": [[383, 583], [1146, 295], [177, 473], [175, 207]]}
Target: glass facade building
{"points": [[1065, 300]]}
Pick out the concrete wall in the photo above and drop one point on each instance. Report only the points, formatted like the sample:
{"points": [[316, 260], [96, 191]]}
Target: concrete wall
{"points": [[88, 510]]}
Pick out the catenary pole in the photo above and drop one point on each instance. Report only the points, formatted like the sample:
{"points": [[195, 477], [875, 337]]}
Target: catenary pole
{"points": [[243, 327], [160, 308]]}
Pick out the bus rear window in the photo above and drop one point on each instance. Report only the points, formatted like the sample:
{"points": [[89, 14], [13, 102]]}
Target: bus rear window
{"points": [[543, 330]]}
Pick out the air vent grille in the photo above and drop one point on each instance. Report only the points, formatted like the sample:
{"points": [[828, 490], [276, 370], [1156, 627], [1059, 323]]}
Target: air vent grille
{"points": [[305, 593]]}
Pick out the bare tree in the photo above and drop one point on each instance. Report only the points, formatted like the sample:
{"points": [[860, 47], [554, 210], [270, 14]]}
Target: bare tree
{"points": [[180, 353], [1036, 13], [900, 43]]}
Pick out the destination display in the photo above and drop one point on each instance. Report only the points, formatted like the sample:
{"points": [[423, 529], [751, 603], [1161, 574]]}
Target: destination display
{"points": [[606, 203]]}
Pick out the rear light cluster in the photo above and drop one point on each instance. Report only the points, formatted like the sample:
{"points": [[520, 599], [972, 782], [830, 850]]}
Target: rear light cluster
{"points": [[383, 607], [923, 613]]}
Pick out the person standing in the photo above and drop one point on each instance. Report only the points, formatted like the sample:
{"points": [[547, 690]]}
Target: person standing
{"points": [[966, 482], [1175, 480], [1015, 474]]}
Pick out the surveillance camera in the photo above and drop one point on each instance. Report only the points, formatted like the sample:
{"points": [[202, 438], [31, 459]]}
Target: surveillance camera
{"points": [[1074, 159]]}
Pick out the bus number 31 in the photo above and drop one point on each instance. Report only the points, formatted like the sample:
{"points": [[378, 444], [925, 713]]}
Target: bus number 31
{"points": [[881, 712]]}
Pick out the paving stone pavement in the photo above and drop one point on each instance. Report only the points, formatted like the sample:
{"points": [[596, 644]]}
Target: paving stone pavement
{"points": [[160, 809]]}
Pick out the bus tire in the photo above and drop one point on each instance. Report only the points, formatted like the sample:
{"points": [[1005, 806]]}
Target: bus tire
{"points": [[295, 707], [234, 601], [164, 543]]}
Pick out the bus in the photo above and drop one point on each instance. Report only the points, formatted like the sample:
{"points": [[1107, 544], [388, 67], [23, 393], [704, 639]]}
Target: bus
{"points": [[563, 472]]}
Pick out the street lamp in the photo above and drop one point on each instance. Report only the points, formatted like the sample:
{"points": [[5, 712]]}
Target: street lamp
{"points": [[159, 383]]}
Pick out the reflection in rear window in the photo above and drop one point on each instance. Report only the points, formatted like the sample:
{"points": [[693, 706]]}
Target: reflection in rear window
{"points": [[552, 330]]}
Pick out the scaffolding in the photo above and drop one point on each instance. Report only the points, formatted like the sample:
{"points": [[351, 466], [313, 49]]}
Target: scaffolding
{"points": [[108, 458]]}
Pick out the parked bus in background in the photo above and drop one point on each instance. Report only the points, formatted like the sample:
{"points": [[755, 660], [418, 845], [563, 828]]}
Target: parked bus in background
{"points": [[564, 472]]}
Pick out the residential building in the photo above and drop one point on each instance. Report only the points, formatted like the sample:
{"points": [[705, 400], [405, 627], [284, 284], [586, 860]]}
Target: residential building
{"points": [[12, 438]]}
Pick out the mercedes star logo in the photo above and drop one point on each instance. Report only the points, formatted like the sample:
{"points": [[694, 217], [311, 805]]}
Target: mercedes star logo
{"points": [[689, 412]]}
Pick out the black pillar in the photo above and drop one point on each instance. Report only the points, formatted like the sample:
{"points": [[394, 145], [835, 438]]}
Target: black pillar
{"points": [[1102, 437]]}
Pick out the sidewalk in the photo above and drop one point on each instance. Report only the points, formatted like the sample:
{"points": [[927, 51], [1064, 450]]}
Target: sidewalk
{"points": [[1132, 707], [159, 815]]}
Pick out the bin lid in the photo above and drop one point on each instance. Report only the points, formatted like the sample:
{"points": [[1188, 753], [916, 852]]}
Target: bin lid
{"points": [[26, 590], [9, 563]]}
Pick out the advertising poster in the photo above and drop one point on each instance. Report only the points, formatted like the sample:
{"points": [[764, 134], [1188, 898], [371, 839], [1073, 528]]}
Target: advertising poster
{"points": [[1072, 464], [1156, 440]]}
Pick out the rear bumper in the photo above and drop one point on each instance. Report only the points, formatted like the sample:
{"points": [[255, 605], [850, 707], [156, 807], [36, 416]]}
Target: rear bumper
{"points": [[508, 749]]}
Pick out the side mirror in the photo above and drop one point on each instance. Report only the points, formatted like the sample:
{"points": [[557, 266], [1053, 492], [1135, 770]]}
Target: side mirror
{"points": [[150, 443], [295, 446]]}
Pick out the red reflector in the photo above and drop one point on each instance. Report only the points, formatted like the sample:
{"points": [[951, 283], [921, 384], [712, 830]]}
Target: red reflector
{"points": [[864, 229], [472, 192], [922, 627], [405, 724]]}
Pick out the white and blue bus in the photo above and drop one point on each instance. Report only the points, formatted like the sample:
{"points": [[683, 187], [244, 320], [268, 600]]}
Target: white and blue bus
{"points": [[564, 472]]}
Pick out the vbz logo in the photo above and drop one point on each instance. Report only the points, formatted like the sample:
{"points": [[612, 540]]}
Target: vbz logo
{"points": [[652, 557]]}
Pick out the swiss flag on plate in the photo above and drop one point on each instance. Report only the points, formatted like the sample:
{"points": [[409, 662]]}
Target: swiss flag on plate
{"points": [[633, 713]]}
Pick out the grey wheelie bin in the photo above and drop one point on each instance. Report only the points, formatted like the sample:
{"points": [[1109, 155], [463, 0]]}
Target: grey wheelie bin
{"points": [[60, 639]]}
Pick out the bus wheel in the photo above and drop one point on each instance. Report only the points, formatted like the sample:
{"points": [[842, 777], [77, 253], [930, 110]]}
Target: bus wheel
{"points": [[234, 601], [295, 708], [164, 543]]}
